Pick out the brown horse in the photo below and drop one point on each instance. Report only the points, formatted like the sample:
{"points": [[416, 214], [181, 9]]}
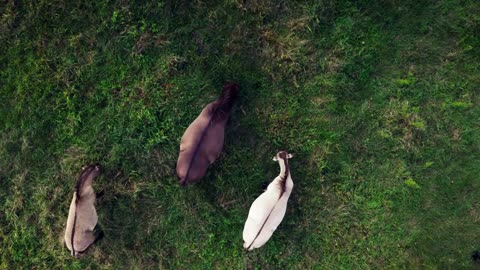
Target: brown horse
{"points": [[203, 140], [82, 216]]}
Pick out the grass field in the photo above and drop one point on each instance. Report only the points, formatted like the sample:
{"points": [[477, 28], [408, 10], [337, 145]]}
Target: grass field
{"points": [[378, 101]]}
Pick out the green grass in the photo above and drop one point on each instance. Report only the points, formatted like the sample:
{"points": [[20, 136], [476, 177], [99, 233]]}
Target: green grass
{"points": [[378, 101]]}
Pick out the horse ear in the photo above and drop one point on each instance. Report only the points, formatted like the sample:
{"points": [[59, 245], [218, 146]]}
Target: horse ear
{"points": [[289, 156], [275, 158]]}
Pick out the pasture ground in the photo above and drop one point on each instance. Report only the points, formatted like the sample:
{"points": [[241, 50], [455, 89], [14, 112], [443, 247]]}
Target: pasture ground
{"points": [[377, 100]]}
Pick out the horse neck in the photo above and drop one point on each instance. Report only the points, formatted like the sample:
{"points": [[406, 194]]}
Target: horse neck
{"points": [[284, 168]]}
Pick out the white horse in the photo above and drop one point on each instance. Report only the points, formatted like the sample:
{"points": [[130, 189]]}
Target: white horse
{"points": [[268, 210]]}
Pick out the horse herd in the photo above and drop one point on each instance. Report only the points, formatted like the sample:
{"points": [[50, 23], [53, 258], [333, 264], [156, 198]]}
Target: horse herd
{"points": [[200, 146]]}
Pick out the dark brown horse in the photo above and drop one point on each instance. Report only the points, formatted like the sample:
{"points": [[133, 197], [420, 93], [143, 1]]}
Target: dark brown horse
{"points": [[202, 142]]}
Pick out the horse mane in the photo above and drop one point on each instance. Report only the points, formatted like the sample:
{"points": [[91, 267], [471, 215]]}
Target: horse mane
{"points": [[283, 178], [222, 106], [81, 179]]}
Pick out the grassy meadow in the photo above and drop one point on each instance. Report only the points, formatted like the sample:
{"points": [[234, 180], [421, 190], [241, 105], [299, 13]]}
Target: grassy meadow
{"points": [[377, 100]]}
